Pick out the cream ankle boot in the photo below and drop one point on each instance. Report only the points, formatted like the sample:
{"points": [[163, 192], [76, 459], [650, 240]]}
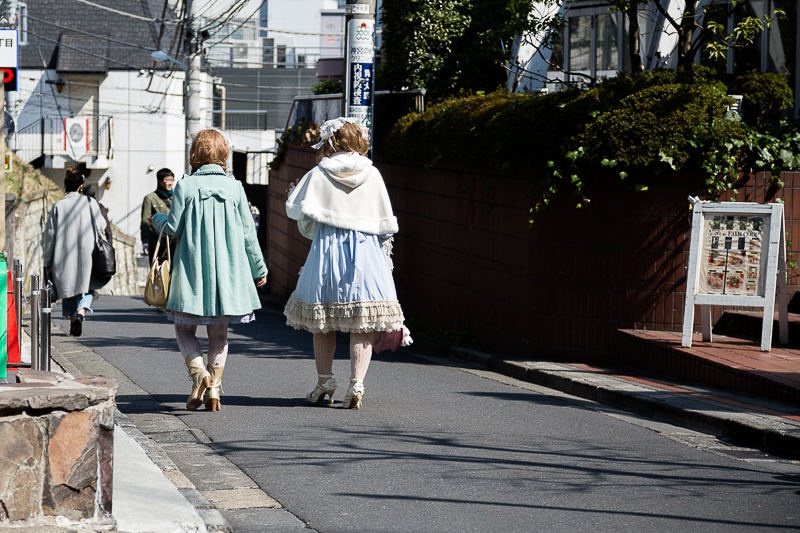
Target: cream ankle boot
{"points": [[201, 380], [212, 395]]}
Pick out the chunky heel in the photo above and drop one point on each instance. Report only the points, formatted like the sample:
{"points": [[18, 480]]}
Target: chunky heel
{"points": [[355, 392], [322, 390], [201, 380], [212, 395]]}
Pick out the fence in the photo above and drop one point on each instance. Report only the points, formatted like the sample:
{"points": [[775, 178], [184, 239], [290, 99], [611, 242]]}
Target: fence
{"points": [[47, 137]]}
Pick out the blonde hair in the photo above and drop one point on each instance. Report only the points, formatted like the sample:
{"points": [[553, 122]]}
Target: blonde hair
{"points": [[348, 138], [209, 147]]}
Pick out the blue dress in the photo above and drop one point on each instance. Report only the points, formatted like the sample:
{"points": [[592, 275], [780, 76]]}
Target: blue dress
{"points": [[345, 285]]}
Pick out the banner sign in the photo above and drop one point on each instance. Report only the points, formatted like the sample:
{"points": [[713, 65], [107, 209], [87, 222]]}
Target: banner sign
{"points": [[360, 72], [76, 137]]}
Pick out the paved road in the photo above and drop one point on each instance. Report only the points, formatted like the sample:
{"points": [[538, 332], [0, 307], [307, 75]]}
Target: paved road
{"points": [[438, 447]]}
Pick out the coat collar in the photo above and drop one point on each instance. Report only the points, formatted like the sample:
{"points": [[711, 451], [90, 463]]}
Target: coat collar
{"points": [[209, 169]]}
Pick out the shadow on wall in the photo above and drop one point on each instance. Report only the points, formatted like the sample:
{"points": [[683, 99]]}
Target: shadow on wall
{"points": [[467, 260]]}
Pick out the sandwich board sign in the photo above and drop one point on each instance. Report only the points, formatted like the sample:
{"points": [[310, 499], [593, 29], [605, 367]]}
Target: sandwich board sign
{"points": [[737, 257]]}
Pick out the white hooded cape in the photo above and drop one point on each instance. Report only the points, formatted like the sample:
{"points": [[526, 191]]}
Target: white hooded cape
{"points": [[344, 191]]}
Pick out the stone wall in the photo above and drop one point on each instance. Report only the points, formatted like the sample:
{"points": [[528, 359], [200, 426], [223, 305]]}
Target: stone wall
{"points": [[469, 266], [58, 441]]}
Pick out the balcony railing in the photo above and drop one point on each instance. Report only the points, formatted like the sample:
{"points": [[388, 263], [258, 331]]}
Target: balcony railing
{"points": [[319, 108], [47, 137], [240, 120]]}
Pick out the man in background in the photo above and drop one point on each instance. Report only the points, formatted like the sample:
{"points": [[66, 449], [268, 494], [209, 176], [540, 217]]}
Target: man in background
{"points": [[158, 201]]}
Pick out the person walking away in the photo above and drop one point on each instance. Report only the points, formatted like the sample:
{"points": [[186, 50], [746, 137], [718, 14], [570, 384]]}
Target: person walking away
{"points": [[158, 201], [91, 191], [67, 244], [217, 250], [346, 284]]}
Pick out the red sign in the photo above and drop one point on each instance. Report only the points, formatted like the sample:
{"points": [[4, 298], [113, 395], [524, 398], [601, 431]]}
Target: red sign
{"points": [[9, 78]]}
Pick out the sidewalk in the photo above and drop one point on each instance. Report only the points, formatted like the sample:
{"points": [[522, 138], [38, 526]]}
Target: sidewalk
{"points": [[151, 494]]}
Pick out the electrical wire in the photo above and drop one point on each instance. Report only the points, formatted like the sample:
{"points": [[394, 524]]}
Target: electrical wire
{"points": [[126, 44], [243, 22], [119, 12]]}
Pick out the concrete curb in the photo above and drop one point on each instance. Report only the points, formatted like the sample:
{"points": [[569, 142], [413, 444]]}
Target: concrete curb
{"points": [[746, 421]]}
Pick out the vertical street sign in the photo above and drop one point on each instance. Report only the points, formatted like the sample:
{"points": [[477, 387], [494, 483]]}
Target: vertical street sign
{"points": [[360, 63], [9, 57]]}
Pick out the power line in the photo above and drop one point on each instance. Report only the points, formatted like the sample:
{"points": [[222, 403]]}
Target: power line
{"points": [[126, 44], [124, 13]]}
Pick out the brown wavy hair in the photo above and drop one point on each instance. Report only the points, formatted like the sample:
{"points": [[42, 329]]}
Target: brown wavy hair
{"points": [[348, 138], [209, 147]]}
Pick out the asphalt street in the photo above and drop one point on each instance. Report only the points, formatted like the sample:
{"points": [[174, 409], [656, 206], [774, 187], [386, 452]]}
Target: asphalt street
{"points": [[438, 446]]}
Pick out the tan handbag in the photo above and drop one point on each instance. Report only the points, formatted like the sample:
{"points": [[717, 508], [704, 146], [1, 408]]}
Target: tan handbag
{"points": [[156, 289]]}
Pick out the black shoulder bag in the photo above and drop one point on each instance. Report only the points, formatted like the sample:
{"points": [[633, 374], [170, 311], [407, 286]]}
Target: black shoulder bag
{"points": [[104, 258]]}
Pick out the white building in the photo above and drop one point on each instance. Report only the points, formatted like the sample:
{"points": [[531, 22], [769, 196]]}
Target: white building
{"points": [[593, 43], [89, 91], [87, 68]]}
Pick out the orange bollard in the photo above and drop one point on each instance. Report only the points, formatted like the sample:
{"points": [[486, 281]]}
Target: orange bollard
{"points": [[12, 339]]}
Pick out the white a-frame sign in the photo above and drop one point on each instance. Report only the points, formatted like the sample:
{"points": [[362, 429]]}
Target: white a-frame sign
{"points": [[737, 257]]}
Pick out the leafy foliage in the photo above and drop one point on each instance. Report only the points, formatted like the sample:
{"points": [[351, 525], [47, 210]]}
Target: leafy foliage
{"points": [[633, 128], [304, 133], [767, 98], [445, 46], [328, 87]]}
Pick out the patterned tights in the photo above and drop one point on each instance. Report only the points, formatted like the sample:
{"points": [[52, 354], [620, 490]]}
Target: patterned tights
{"points": [[360, 353], [188, 344]]}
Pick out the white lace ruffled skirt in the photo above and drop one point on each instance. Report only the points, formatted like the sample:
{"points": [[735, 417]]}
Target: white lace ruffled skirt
{"points": [[345, 285]]}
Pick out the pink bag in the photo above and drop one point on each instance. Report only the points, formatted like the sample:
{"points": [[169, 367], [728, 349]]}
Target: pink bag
{"points": [[391, 340], [383, 340]]}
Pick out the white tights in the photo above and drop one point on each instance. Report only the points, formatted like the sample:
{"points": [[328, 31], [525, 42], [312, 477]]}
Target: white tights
{"points": [[186, 335], [360, 353]]}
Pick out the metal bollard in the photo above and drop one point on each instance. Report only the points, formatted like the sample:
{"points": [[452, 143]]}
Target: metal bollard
{"points": [[35, 361], [18, 279], [46, 314]]}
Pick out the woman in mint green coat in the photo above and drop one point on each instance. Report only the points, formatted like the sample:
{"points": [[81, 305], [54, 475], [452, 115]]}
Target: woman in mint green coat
{"points": [[216, 251]]}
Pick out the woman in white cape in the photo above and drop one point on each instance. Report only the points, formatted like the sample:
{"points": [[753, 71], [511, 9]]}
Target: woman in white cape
{"points": [[346, 283]]}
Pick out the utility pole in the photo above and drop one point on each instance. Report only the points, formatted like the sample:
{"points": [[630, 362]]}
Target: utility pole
{"points": [[360, 63], [193, 60]]}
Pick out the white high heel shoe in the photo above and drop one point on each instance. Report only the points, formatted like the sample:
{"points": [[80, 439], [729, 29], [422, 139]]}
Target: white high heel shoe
{"points": [[355, 392], [326, 388]]}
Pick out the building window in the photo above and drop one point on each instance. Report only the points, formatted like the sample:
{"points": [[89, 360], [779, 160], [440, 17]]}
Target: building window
{"points": [[280, 56], [592, 44]]}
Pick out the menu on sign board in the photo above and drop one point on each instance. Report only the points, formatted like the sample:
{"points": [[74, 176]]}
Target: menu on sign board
{"points": [[732, 255]]}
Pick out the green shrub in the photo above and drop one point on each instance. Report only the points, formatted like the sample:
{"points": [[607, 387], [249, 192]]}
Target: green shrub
{"points": [[632, 127], [767, 98], [673, 124], [328, 87]]}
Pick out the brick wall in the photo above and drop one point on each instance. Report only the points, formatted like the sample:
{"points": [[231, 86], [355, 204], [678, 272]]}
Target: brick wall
{"points": [[466, 259]]}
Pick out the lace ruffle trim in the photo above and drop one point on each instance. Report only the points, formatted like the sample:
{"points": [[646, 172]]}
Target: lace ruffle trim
{"points": [[351, 317]]}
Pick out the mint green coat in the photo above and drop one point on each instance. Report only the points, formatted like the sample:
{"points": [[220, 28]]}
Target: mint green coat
{"points": [[217, 256]]}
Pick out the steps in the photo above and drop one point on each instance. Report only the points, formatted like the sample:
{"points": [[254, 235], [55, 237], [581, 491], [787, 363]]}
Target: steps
{"points": [[731, 363]]}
